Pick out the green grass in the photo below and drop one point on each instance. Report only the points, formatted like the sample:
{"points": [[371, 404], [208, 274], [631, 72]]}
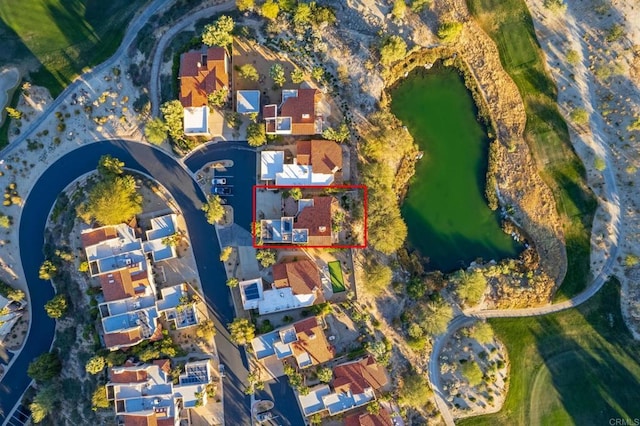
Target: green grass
{"points": [[335, 271], [579, 366], [63, 36], [509, 24]]}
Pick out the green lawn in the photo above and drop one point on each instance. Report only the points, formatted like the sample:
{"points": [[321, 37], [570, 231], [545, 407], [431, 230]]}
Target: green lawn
{"points": [[575, 367], [64, 36], [509, 24], [335, 271]]}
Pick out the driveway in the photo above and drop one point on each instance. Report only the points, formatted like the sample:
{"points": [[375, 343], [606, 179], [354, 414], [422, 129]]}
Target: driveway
{"points": [[185, 190]]}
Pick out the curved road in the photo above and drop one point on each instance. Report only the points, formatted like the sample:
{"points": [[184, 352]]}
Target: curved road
{"points": [[179, 182]]}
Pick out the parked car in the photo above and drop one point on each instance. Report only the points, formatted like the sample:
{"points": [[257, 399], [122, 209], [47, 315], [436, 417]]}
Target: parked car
{"points": [[221, 370], [219, 181], [221, 190]]}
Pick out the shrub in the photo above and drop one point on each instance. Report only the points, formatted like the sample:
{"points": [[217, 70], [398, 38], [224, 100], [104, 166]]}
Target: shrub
{"points": [[471, 371], [225, 253], [248, 72], [156, 131], [449, 31], [555, 6], [573, 57], [256, 134], [599, 164], [579, 116], [219, 32], [57, 307], [276, 72], [392, 49], [95, 365]]}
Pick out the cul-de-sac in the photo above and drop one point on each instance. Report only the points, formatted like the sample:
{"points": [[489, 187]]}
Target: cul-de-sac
{"points": [[328, 212]]}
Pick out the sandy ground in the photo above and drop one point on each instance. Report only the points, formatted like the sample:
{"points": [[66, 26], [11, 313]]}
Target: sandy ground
{"points": [[613, 103], [107, 96], [473, 400], [9, 78]]}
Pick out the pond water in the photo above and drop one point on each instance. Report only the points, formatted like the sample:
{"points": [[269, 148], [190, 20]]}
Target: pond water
{"points": [[445, 209]]}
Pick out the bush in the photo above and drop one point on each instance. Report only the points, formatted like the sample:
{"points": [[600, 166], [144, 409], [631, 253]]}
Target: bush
{"points": [[95, 365], [392, 49], [156, 131], [225, 253], [213, 209], [573, 57], [579, 116], [276, 72], [248, 72], [599, 164], [471, 371], [266, 257], [57, 307], [256, 134], [555, 6], [449, 31], [615, 33], [219, 33]]}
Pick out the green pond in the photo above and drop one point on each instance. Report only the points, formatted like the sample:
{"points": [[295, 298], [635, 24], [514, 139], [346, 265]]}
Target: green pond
{"points": [[445, 209]]}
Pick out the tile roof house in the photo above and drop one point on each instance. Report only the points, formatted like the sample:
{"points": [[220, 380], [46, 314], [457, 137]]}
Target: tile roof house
{"points": [[383, 418], [316, 163], [119, 260], [304, 340], [310, 226], [296, 285], [145, 394], [202, 72], [296, 114], [354, 385]]}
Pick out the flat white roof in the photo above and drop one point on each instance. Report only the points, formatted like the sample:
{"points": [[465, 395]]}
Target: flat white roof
{"points": [[271, 163], [196, 120], [297, 174], [313, 401], [247, 101], [283, 299]]}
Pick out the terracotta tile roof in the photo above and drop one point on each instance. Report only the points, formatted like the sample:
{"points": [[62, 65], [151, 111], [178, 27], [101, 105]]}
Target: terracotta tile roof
{"points": [[323, 156], [196, 82], [128, 376], [360, 375], [312, 340], [316, 218], [164, 364], [122, 339], [302, 110], [121, 284], [98, 235], [366, 419], [302, 276], [130, 420]]}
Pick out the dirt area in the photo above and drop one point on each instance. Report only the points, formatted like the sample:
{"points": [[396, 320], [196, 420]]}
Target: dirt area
{"points": [[18, 333], [475, 396]]}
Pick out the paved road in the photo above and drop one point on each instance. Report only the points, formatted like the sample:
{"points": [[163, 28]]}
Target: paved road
{"points": [[189, 198], [165, 39], [243, 176], [132, 31]]}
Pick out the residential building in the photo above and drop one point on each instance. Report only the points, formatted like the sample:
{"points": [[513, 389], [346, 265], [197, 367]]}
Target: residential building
{"points": [[202, 72], [303, 341], [382, 418], [316, 163], [296, 114], [309, 225], [354, 385], [145, 394], [296, 285], [120, 261]]}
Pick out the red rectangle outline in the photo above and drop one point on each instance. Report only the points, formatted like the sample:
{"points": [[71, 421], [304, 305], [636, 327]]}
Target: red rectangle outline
{"points": [[292, 246]]}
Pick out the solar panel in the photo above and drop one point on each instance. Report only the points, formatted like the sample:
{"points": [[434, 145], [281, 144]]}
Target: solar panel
{"points": [[251, 292]]}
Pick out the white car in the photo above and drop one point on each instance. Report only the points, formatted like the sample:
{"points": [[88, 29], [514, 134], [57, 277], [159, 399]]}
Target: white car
{"points": [[219, 181], [221, 370]]}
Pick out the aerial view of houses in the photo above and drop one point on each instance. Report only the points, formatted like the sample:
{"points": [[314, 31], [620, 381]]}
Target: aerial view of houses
{"points": [[319, 213]]}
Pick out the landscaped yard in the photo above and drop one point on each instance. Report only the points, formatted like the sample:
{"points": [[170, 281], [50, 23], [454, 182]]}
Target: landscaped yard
{"points": [[64, 36], [509, 24], [575, 367], [335, 271]]}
